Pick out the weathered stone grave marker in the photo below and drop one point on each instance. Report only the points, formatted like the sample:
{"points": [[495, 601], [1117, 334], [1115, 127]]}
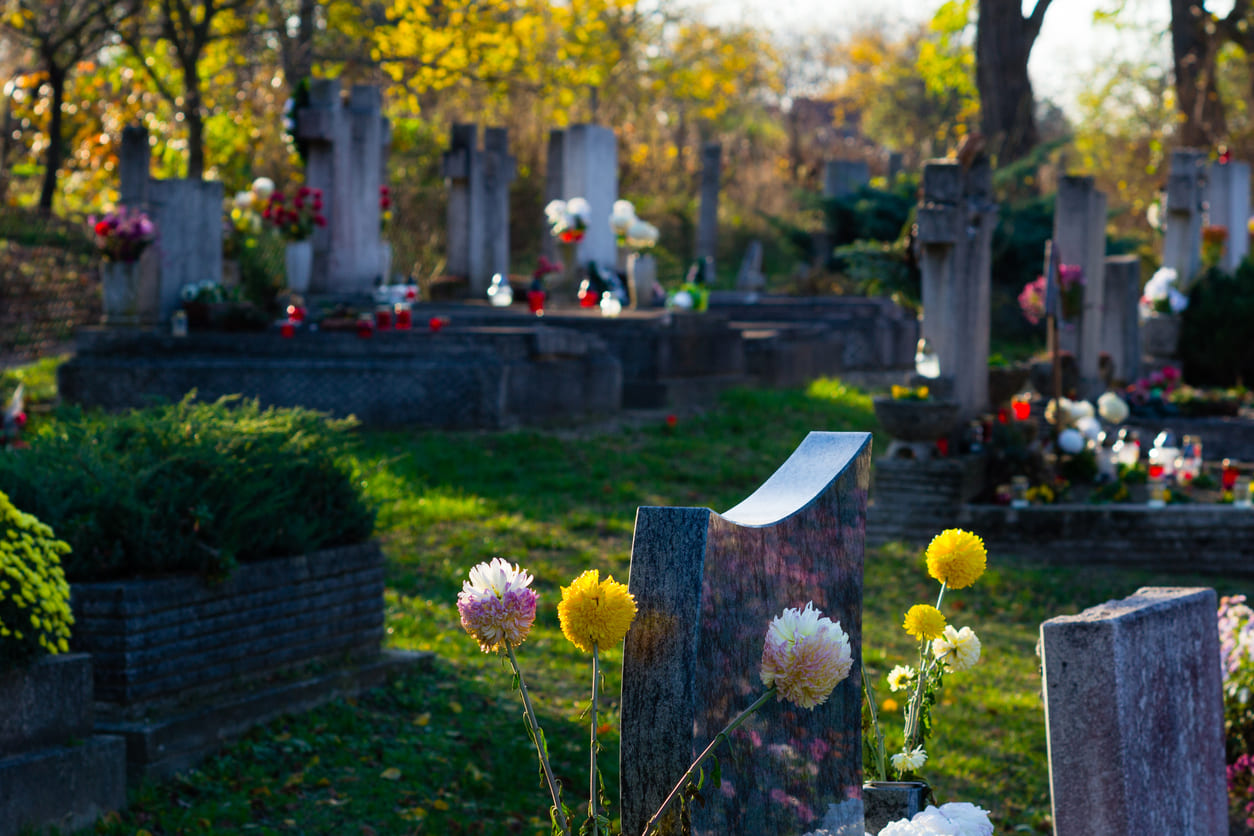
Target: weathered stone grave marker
{"points": [[1080, 239], [478, 205], [1228, 205], [1186, 193], [707, 221], [347, 157], [188, 216], [583, 162], [844, 177], [707, 586], [1121, 329], [1134, 716], [956, 219], [750, 277]]}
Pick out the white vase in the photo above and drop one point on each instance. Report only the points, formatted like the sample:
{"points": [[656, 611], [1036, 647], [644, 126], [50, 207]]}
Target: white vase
{"points": [[120, 280], [299, 265]]}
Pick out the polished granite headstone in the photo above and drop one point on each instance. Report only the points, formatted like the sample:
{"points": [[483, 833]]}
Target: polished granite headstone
{"points": [[707, 586]]}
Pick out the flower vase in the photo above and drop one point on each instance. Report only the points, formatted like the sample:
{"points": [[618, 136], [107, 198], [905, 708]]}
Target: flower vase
{"points": [[889, 801], [120, 280], [298, 261], [571, 271]]}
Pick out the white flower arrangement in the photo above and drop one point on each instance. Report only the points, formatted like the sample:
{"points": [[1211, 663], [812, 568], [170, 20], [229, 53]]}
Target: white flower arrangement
{"points": [[1161, 295]]}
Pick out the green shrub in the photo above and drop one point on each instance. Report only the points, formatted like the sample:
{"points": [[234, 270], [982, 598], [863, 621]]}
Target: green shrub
{"points": [[189, 487], [35, 614], [1216, 342]]}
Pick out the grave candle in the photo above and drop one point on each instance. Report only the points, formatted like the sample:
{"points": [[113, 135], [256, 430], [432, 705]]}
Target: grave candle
{"points": [[1022, 409], [287, 329], [383, 317], [535, 302], [296, 314], [404, 316], [365, 326], [1228, 477]]}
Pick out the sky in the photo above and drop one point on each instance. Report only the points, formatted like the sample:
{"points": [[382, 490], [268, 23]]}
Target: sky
{"points": [[1070, 47]]}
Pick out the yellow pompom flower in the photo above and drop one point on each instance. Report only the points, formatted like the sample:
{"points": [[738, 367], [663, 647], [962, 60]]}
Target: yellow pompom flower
{"points": [[595, 612], [924, 621], [956, 558]]}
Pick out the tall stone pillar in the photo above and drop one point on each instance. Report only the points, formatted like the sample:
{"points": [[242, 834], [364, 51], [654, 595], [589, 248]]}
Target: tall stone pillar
{"points": [[1186, 191], [707, 219], [1080, 239], [1228, 205]]}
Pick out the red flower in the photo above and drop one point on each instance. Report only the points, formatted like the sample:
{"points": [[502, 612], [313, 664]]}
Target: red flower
{"points": [[302, 192], [102, 228], [20, 419], [319, 220]]}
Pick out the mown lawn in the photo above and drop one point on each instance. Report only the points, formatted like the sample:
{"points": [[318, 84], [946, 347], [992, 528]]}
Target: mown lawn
{"points": [[443, 750]]}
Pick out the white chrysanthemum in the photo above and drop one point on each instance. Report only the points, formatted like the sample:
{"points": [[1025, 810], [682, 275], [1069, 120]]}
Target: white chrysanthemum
{"points": [[902, 827], [1112, 408], [622, 216], [953, 819], [578, 207], [805, 656], [900, 677], [1071, 441], [263, 187], [909, 761], [498, 576], [555, 210], [1089, 427], [958, 649], [641, 235]]}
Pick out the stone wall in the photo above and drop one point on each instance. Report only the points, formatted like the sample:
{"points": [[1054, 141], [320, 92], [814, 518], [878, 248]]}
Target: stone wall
{"points": [[469, 378], [178, 640]]}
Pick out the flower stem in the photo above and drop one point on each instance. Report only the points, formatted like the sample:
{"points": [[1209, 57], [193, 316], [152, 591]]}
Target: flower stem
{"points": [[592, 771], [540, 747], [731, 727], [880, 757]]}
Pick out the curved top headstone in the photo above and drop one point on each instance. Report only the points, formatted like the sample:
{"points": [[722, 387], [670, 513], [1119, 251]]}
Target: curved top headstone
{"points": [[707, 586]]}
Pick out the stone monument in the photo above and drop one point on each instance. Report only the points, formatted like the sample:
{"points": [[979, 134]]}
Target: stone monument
{"points": [[478, 205], [956, 219], [1228, 205], [707, 218], [707, 586], [188, 216], [1080, 240], [587, 158], [1185, 204], [1134, 716], [347, 157]]}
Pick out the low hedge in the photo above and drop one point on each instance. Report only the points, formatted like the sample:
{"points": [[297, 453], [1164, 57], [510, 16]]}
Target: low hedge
{"points": [[189, 487]]}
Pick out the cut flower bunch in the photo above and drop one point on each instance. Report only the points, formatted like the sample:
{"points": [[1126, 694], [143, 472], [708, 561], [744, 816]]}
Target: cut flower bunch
{"points": [[956, 559], [804, 657], [123, 234]]}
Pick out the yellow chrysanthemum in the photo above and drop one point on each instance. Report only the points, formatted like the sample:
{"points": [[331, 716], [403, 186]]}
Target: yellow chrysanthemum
{"points": [[594, 611], [956, 558], [924, 621]]}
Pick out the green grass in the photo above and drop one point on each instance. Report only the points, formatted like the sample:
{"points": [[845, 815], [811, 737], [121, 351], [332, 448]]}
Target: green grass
{"points": [[444, 751]]}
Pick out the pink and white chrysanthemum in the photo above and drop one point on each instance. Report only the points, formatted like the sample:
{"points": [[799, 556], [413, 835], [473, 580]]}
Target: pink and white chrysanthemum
{"points": [[497, 608], [805, 656]]}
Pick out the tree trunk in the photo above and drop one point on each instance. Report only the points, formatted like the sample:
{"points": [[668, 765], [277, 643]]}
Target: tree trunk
{"points": [[52, 159], [1003, 43], [1193, 57], [193, 114]]}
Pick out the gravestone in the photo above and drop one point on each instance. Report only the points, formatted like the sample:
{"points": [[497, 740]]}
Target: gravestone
{"points": [[1186, 195], [894, 167], [844, 177], [347, 142], [1080, 240], [188, 216], [750, 277], [956, 219], [1134, 716], [478, 205], [1228, 205], [587, 158], [1120, 330], [707, 220], [707, 586]]}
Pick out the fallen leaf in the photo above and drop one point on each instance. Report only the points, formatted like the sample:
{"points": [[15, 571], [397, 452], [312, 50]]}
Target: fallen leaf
{"points": [[440, 804], [455, 707], [422, 719], [390, 774]]}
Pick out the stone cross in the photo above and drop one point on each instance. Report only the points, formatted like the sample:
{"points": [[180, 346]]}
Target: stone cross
{"points": [[587, 158], [188, 216], [844, 177], [1134, 716], [478, 205], [1080, 239], [348, 142], [956, 219], [707, 586], [1186, 194], [750, 277], [707, 219], [1120, 329], [1228, 205]]}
